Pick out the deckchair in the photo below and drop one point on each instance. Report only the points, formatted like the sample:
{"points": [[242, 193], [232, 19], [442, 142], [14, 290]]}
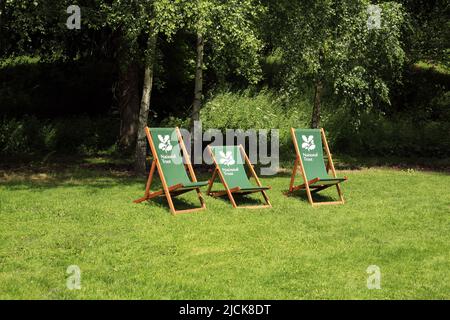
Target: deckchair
{"points": [[167, 159], [310, 159], [229, 166]]}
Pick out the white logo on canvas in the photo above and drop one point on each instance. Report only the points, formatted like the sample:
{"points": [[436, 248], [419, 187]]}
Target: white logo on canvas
{"points": [[165, 143], [226, 159], [308, 143]]}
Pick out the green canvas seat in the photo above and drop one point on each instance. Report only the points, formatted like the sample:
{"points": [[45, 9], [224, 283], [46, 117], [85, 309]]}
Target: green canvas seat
{"points": [[310, 158], [229, 167], [171, 160]]}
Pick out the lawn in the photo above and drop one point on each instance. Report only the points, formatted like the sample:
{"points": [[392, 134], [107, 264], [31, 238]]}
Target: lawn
{"points": [[396, 219]]}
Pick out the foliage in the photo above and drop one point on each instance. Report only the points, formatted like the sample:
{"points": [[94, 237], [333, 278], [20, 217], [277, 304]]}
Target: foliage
{"points": [[248, 109], [231, 36], [262, 110], [424, 94], [135, 19], [427, 36], [29, 86], [30, 27], [329, 41], [377, 135], [50, 219]]}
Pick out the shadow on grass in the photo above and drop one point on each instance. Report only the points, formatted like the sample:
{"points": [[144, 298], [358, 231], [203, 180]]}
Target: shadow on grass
{"points": [[179, 203], [348, 162], [242, 200], [91, 181], [67, 178], [302, 196], [106, 172]]}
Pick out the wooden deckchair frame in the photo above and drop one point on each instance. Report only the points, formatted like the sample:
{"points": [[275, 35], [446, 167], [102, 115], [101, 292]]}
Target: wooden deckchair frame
{"points": [[229, 192], [308, 185], [167, 191]]}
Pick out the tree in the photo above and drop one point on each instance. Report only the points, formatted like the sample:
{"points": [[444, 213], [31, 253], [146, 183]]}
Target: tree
{"points": [[328, 44], [142, 22], [38, 28], [127, 95], [228, 27], [121, 18], [141, 145], [198, 87]]}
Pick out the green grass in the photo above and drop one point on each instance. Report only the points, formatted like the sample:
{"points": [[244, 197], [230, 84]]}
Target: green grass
{"points": [[437, 67], [50, 219]]}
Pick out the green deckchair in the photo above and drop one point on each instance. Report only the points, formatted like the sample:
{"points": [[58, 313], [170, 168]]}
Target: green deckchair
{"points": [[229, 166], [168, 160], [310, 159]]}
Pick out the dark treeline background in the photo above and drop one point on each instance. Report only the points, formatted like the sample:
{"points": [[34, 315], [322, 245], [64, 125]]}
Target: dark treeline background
{"points": [[378, 90]]}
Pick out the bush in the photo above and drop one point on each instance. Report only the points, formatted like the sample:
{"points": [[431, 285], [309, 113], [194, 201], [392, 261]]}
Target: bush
{"points": [[376, 135], [78, 135], [350, 133], [29, 86], [262, 110]]}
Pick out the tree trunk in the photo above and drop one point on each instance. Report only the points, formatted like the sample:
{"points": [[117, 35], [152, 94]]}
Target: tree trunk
{"points": [[128, 100], [141, 145], [315, 119], [198, 91]]}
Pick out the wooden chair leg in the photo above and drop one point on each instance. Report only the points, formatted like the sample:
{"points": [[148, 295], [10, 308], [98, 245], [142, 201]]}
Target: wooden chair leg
{"points": [[200, 197], [294, 172], [150, 178], [308, 192], [140, 200], [169, 200], [148, 185], [266, 198], [211, 182], [341, 196], [230, 196]]}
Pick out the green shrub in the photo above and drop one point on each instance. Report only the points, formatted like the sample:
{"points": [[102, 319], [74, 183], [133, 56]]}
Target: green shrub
{"points": [[363, 134], [262, 110], [375, 135]]}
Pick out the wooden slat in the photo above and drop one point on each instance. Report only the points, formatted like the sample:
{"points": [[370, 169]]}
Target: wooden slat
{"points": [[255, 207], [327, 203]]}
